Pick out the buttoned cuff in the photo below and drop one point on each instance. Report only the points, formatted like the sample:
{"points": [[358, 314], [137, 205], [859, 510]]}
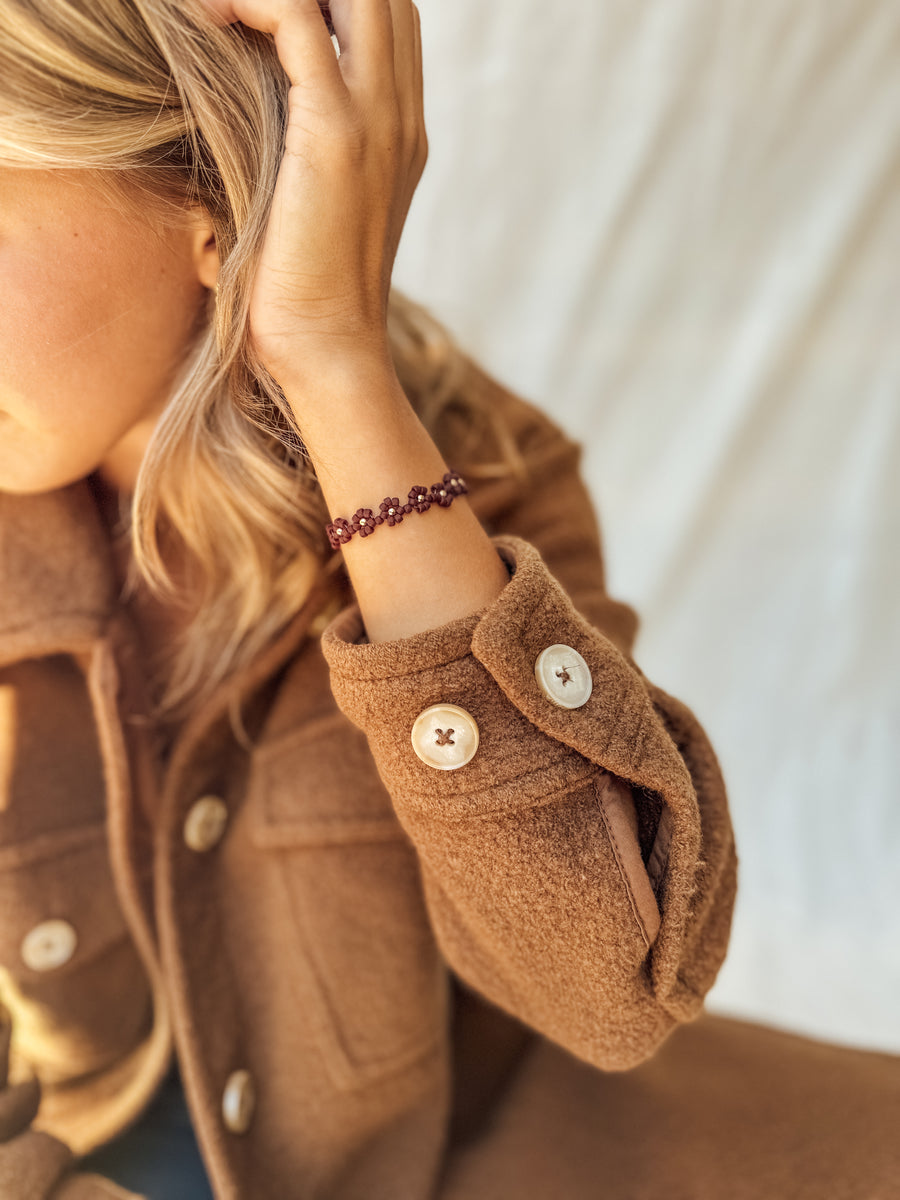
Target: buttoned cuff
{"points": [[532, 753], [484, 664]]}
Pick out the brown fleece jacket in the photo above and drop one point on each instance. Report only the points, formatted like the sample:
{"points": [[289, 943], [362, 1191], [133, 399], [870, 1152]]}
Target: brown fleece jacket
{"points": [[384, 980]]}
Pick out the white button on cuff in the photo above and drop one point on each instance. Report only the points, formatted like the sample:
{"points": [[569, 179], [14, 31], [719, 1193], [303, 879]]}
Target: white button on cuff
{"points": [[563, 676], [238, 1101], [445, 736], [48, 945], [205, 823]]}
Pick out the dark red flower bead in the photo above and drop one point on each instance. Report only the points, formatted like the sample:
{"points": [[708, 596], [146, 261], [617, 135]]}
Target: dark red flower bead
{"points": [[419, 499], [441, 494], [454, 483], [364, 521], [392, 511], [339, 532]]}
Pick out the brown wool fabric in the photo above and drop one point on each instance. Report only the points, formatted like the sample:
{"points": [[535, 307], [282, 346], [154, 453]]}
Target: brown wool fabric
{"points": [[475, 984]]}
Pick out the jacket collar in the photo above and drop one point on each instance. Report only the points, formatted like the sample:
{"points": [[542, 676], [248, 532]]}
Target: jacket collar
{"points": [[59, 590], [57, 578]]}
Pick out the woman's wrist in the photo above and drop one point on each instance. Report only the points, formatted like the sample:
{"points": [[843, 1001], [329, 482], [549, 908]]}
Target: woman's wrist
{"points": [[352, 413], [331, 372], [366, 443]]}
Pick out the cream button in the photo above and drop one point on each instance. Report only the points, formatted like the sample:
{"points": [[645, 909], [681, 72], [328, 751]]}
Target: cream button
{"points": [[445, 736], [238, 1101], [48, 945], [563, 676], [205, 823]]}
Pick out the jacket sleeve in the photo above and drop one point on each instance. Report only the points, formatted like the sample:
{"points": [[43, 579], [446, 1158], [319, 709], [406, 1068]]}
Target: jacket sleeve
{"points": [[580, 870], [35, 1165]]}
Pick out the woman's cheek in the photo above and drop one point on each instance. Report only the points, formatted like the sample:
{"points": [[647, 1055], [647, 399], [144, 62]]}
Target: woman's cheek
{"points": [[52, 337], [81, 358], [64, 397], [98, 312]]}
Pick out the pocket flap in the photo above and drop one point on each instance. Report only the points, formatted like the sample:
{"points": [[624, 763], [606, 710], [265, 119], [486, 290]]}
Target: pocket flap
{"points": [[319, 785], [61, 877]]}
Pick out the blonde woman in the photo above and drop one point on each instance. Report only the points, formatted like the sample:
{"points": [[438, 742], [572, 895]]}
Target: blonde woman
{"points": [[345, 851]]}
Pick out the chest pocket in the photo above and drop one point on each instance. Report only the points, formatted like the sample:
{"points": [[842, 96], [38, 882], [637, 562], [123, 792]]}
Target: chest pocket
{"points": [[69, 972], [358, 918]]}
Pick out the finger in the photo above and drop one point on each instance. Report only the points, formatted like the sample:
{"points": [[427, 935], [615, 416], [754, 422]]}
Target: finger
{"points": [[419, 82], [365, 31], [224, 11], [301, 37], [405, 61]]}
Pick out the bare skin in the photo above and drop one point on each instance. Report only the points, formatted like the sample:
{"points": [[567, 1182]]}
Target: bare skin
{"points": [[103, 308]]}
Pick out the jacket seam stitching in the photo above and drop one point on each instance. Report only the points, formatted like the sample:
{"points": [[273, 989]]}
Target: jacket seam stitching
{"points": [[400, 674], [540, 802]]}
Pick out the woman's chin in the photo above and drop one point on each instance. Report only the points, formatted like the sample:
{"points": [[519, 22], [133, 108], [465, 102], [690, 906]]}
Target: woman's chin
{"points": [[21, 482], [32, 463]]}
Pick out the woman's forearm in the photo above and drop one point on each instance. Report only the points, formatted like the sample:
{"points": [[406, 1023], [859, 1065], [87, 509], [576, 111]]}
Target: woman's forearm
{"points": [[366, 443]]}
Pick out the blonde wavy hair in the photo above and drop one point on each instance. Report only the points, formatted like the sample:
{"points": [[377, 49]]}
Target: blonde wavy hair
{"points": [[170, 108]]}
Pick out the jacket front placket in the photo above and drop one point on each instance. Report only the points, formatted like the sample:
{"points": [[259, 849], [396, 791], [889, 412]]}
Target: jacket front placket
{"points": [[190, 951]]}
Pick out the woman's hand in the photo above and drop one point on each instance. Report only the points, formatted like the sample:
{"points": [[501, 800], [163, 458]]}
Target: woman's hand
{"points": [[354, 153]]}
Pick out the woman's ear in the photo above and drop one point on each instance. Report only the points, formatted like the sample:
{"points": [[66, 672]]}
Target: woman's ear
{"points": [[206, 252]]}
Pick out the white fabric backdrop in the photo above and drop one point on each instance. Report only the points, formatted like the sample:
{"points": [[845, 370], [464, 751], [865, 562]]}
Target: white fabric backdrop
{"points": [[675, 225]]}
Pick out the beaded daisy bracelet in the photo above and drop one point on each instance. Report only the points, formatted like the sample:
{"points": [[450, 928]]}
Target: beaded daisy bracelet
{"points": [[392, 512]]}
